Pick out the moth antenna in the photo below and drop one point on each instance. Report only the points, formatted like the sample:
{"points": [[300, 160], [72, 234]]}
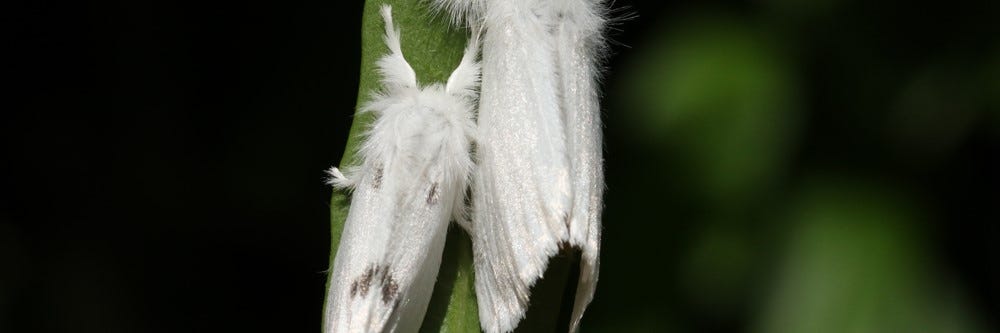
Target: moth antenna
{"points": [[393, 66], [465, 78]]}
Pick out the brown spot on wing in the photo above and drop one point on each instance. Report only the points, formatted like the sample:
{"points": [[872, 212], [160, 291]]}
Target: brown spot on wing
{"points": [[366, 281], [377, 182], [387, 285], [389, 290], [432, 195]]}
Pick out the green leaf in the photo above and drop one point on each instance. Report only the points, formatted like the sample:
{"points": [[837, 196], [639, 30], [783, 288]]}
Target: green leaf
{"points": [[433, 49]]}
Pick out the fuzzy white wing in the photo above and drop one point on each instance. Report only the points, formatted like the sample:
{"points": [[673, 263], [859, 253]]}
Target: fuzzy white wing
{"points": [[522, 196], [578, 41], [354, 291], [539, 181], [416, 248], [389, 254]]}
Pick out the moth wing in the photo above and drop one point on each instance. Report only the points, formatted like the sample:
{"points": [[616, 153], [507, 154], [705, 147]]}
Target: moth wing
{"points": [[578, 41], [353, 300], [388, 258], [422, 230], [522, 188]]}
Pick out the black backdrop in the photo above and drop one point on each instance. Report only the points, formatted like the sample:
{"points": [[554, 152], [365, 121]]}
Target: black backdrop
{"points": [[164, 172]]}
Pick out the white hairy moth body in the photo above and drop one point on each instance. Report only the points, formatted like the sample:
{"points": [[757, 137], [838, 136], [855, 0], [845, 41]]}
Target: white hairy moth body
{"points": [[539, 178], [415, 165]]}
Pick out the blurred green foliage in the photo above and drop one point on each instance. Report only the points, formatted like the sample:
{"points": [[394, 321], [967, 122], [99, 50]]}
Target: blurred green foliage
{"points": [[857, 263], [791, 166], [716, 92]]}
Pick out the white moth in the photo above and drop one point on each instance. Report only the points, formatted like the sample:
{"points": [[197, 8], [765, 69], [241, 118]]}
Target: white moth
{"points": [[539, 179], [412, 180]]}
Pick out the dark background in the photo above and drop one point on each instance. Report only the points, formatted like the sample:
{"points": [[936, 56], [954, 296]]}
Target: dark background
{"points": [[772, 166]]}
